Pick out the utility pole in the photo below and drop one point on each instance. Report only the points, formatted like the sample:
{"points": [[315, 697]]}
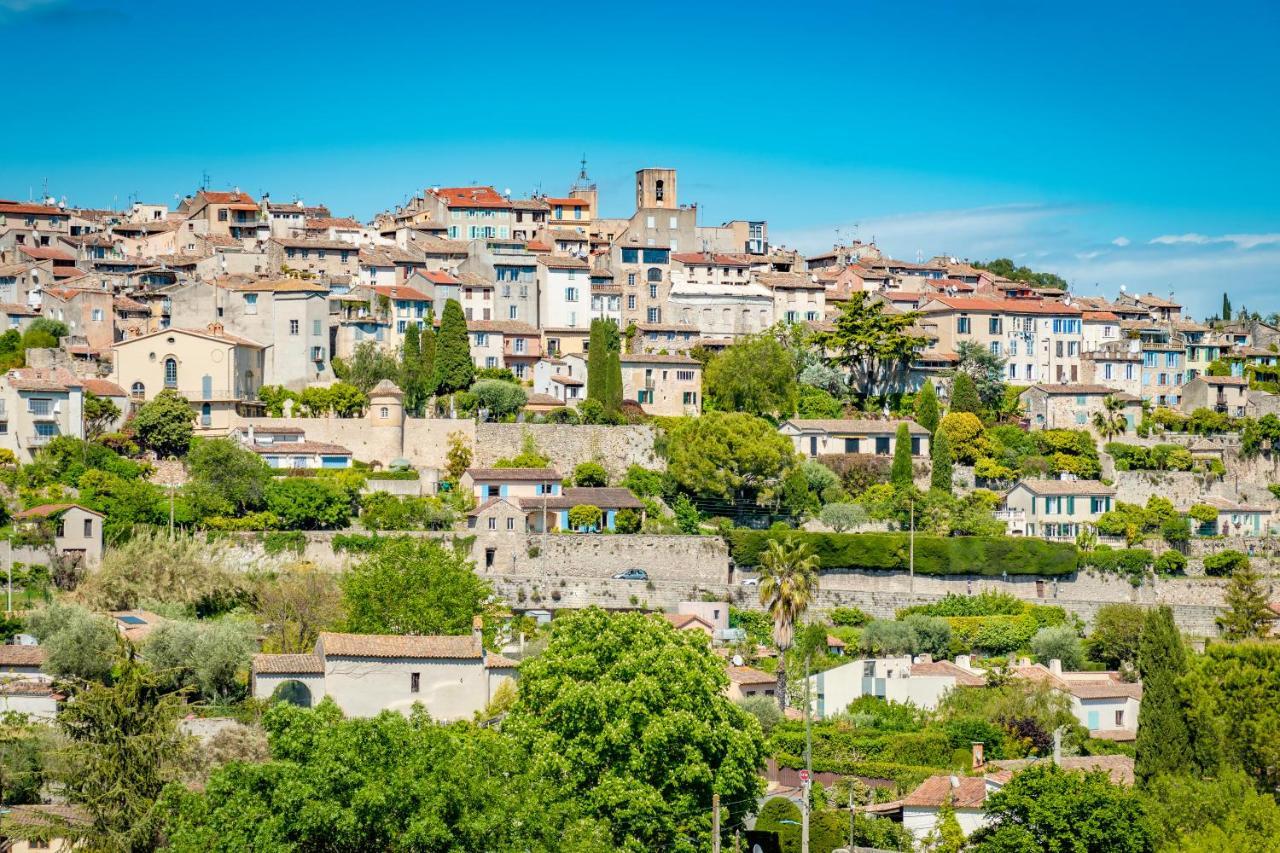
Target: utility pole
{"points": [[851, 808], [715, 823], [808, 761], [8, 560]]}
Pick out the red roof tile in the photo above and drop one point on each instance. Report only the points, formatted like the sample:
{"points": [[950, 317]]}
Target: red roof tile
{"points": [[471, 197]]}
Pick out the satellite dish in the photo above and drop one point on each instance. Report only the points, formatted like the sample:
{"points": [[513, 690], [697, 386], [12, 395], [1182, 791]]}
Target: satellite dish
{"points": [[1122, 288], [737, 660]]}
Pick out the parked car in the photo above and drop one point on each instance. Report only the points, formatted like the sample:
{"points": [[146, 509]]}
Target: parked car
{"points": [[751, 582], [632, 575]]}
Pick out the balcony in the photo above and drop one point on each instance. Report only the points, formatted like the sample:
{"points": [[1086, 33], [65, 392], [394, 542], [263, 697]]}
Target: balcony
{"points": [[50, 415], [39, 440]]}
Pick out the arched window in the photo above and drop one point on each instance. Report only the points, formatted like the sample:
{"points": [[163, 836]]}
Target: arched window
{"points": [[171, 372], [384, 412], [206, 415], [658, 189], [655, 274], [137, 389]]}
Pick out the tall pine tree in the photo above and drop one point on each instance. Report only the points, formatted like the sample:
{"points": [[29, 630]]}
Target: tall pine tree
{"points": [[454, 369], [927, 412], [942, 462], [900, 473], [1247, 616], [964, 395], [1164, 739]]}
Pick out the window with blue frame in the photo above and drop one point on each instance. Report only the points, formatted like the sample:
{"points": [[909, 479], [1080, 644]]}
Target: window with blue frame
{"points": [[631, 256], [655, 256]]}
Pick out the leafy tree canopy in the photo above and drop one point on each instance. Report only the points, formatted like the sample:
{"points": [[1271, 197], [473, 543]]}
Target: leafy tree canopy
{"points": [[727, 454], [755, 375], [413, 586]]}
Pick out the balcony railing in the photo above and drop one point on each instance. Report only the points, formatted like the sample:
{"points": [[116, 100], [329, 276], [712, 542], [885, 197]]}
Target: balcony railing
{"points": [[39, 440]]}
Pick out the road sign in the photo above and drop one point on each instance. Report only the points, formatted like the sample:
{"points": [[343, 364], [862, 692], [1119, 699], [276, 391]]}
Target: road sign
{"points": [[804, 776]]}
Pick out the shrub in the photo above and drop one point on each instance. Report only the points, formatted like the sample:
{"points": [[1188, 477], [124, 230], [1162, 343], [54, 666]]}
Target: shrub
{"points": [[934, 555], [1225, 563], [848, 616], [842, 516], [585, 516], [590, 474], [627, 521], [933, 634], [1129, 562], [985, 603], [1171, 563], [887, 637], [1203, 513], [857, 471], [764, 709]]}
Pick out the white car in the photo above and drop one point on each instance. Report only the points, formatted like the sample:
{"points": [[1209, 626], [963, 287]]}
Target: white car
{"points": [[751, 582]]}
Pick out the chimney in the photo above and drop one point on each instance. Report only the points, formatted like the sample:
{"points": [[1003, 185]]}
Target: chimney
{"points": [[1055, 666], [477, 627], [979, 758], [1057, 746], [924, 657], [964, 661], [216, 329]]}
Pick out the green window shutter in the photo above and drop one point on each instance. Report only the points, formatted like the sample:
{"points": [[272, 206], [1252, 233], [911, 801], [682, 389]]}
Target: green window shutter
{"points": [[1071, 506]]}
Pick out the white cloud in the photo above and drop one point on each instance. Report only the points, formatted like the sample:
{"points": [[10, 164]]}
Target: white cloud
{"points": [[1120, 241], [1241, 241]]}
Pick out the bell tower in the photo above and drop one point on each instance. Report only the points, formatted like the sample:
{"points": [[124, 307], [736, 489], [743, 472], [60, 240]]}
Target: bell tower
{"points": [[656, 188]]}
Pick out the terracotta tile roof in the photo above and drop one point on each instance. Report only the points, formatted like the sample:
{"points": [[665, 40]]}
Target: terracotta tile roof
{"points": [[567, 380], [13, 309], [1050, 388], [296, 447], [275, 285], [288, 664], [25, 687], [234, 197], [438, 246], [562, 262], [102, 388], [45, 816], [401, 291], [45, 253], [601, 496], [1104, 316], [505, 327], [963, 677], [515, 474], [46, 510], [1225, 380], [567, 202], [439, 277], [395, 646], [1224, 505], [749, 675], [1008, 306], [856, 425], [332, 222], [971, 792], [53, 379], [32, 209], [788, 281], [124, 303], [681, 621], [537, 246], [1153, 301], [565, 235], [1066, 487], [529, 204], [493, 660], [22, 655], [471, 197], [543, 400], [1118, 767]]}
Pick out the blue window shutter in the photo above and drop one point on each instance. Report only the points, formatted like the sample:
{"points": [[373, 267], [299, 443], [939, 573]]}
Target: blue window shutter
{"points": [[206, 386], [502, 490], [1071, 506]]}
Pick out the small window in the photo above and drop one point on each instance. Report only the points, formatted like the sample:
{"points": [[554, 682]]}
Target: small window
{"points": [[493, 524], [384, 412], [511, 524], [171, 372], [88, 528], [415, 682], [293, 327]]}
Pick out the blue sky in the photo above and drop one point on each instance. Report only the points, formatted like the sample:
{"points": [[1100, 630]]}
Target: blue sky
{"points": [[1114, 143]]}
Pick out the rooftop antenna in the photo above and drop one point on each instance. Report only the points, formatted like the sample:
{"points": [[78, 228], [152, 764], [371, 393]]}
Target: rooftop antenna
{"points": [[204, 179]]}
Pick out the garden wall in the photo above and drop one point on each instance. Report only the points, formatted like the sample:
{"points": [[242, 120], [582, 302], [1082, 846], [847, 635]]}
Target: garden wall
{"points": [[567, 445]]}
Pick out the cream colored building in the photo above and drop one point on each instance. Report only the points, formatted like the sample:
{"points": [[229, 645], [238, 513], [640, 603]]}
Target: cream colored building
{"points": [[452, 677], [1057, 509], [831, 436], [1226, 394], [214, 370], [663, 384], [38, 404], [1073, 406]]}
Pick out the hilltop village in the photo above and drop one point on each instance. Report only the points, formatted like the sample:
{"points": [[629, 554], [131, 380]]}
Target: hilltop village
{"points": [[494, 523]]}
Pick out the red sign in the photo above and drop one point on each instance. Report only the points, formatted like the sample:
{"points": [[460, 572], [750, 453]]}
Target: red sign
{"points": [[804, 776]]}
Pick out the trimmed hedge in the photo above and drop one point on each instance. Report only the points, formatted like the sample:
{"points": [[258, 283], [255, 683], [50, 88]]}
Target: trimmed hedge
{"points": [[935, 555], [1002, 634]]}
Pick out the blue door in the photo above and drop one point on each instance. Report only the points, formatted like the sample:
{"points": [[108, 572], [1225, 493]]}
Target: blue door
{"points": [[1093, 721]]}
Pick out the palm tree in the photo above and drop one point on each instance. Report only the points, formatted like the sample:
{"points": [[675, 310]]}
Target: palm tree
{"points": [[788, 583], [1110, 422]]}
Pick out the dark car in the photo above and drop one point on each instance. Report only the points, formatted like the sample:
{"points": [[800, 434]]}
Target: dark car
{"points": [[632, 575]]}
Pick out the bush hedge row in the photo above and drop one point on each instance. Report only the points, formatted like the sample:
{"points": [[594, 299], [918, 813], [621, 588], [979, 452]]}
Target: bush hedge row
{"points": [[934, 555]]}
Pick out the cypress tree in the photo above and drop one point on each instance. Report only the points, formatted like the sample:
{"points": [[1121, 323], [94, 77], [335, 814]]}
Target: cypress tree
{"points": [[1226, 308], [613, 382], [900, 473], [927, 414], [597, 363], [942, 463], [427, 349], [411, 372], [454, 369], [1164, 739], [964, 395]]}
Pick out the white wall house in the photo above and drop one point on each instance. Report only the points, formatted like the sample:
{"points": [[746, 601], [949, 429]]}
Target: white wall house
{"points": [[921, 682]]}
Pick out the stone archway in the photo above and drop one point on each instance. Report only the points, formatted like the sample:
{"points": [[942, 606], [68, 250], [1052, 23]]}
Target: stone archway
{"points": [[294, 692]]}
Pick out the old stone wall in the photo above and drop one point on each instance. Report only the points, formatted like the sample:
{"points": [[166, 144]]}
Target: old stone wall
{"points": [[423, 441], [567, 445]]}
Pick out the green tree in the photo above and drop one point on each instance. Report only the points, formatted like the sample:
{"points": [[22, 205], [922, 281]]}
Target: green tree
{"points": [[1164, 741], [987, 371], [628, 718], [1233, 701], [427, 352], [1117, 632], [328, 787], [946, 836], [965, 436], [454, 369], [727, 455], [942, 463], [99, 414], [964, 395], [1110, 421], [294, 605], [458, 456], [77, 643], [585, 517], [186, 571], [165, 424], [843, 516], [308, 503], [1046, 808], [875, 345], [1058, 642], [926, 407], [411, 379], [1208, 815], [346, 400], [224, 478], [816, 403], [413, 586], [600, 344], [1248, 615], [788, 584], [755, 375], [369, 364], [501, 399], [1218, 367], [1226, 308], [123, 739], [900, 475], [590, 474], [1225, 563], [208, 658]]}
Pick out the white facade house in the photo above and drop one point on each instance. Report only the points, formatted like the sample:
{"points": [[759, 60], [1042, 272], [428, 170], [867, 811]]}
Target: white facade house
{"points": [[563, 378], [823, 436], [922, 682], [1102, 702], [564, 293], [452, 677]]}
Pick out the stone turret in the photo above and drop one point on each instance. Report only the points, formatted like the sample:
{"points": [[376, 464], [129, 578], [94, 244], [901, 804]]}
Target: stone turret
{"points": [[386, 405]]}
